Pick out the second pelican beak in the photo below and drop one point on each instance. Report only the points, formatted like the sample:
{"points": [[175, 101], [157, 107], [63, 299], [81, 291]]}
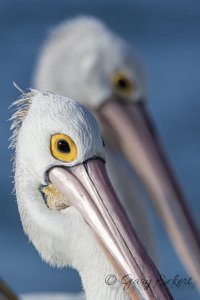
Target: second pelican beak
{"points": [[137, 140], [88, 188]]}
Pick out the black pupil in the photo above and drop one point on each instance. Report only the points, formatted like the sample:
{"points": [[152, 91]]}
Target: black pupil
{"points": [[122, 84], [63, 146]]}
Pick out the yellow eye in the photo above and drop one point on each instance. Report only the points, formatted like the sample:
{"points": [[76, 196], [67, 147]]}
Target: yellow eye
{"points": [[122, 85], [63, 148]]}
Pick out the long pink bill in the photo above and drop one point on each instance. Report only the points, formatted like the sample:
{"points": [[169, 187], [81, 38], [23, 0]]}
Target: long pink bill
{"points": [[136, 137], [88, 188]]}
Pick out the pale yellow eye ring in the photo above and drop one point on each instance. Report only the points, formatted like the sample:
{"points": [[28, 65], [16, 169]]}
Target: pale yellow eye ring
{"points": [[122, 85], [63, 147]]}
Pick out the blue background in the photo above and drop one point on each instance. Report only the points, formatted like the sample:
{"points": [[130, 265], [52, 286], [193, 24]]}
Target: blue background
{"points": [[167, 36]]}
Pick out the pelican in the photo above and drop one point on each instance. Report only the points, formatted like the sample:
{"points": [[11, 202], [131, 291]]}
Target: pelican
{"points": [[66, 202], [67, 205], [86, 61]]}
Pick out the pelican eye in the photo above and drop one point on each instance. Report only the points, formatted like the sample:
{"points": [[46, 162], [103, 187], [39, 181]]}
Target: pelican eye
{"points": [[122, 85], [63, 147]]}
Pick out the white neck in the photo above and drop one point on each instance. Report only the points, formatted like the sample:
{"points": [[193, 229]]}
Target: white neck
{"points": [[64, 239]]}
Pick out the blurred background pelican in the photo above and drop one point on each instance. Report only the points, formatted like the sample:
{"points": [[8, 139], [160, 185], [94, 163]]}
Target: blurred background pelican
{"points": [[167, 39]]}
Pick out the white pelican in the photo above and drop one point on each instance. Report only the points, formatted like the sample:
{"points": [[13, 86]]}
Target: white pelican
{"points": [[86, 61], [62, 187]]}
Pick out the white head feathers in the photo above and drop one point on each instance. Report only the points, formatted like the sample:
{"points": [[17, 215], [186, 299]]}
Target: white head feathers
{"points": [[39, 116], [79, 59]]}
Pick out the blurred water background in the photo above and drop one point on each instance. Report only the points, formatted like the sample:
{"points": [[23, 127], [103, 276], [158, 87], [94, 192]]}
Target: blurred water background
{"points": [[167, 36]]}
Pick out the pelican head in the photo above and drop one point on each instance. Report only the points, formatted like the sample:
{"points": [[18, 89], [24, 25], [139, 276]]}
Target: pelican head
{"points": [[85, 60], [91, 64], [62, 187]]}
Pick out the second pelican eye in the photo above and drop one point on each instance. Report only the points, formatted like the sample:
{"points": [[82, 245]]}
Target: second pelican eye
{"points": [[122, 85], [63, 147]]}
